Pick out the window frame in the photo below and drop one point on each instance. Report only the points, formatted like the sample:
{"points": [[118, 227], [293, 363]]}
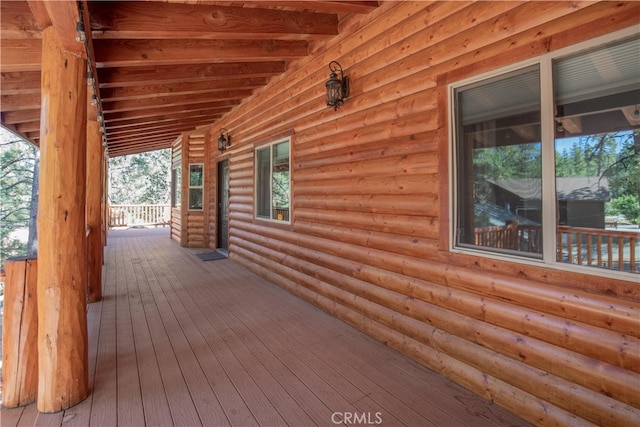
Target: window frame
{"points": [[547, 133], [270, 146], [195, 187]]}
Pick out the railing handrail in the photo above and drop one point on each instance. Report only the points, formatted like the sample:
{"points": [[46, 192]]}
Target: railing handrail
{"points": [[605, 248], [139, 214], [134, 205]]}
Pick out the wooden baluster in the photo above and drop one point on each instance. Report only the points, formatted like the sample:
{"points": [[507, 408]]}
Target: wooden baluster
{"points": [[599, 243], [620, 252], [632, 254]]}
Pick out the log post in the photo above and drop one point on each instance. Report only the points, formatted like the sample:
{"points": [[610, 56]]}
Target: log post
{"points": [[62, 289], [20, 333], [95, 250], [105, 197]]}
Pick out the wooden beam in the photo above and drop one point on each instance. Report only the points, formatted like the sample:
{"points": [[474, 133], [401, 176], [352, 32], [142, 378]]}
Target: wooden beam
{"points": [[21, 102], [134, 76], [160, 113], [181, 88], [18, 21], [62, 275], [158, 128], [124, 53], [171, 101], [157, 122], [16, 83], [18, 55], [330, 6], [20, 116], [63, 15], [140, 20], [126, 149]]}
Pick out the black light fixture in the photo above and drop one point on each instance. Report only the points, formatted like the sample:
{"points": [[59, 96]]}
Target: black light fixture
{"points": [[224, 140], [337, 88]]}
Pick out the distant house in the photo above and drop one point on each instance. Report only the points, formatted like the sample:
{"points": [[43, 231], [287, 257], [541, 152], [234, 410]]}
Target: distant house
{"points": [[581, 200]]}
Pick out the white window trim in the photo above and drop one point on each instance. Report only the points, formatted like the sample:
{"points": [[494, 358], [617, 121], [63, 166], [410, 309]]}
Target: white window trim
{"points": [[255, 187], [548, 160]]}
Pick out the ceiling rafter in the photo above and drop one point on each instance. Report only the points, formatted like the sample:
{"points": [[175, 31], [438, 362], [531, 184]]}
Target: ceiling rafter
{"points": [[162, 67]]}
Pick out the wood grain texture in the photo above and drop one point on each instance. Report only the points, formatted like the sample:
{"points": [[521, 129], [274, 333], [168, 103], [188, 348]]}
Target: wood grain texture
{"points": [[20, 333], [172, 341], [62, 273], [369, 239]]}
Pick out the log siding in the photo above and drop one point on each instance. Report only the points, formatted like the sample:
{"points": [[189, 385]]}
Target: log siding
{"points": [[370, 232]]}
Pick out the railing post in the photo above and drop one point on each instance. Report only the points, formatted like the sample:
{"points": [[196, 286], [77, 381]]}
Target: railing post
{"points": [[20, 333]]}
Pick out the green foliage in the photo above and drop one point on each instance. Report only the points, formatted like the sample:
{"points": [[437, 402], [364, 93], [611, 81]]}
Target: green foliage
{"points": [[140, 178], [628, 205], [615, 156], [17, 159]]}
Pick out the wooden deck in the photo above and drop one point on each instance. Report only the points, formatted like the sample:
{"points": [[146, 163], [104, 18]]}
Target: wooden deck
{"points": [[180, 341]]}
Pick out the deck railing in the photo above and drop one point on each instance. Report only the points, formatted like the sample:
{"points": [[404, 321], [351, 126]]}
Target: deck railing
{"points": [[132, 215], [610, 249]]}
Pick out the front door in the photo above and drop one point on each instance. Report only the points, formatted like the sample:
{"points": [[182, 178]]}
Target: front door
{"points": [[223, 205]]}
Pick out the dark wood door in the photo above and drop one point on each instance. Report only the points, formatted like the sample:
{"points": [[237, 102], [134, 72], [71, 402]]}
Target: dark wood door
{"points": [[223, 204]]}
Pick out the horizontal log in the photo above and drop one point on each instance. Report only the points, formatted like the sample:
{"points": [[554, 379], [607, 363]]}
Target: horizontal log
{"points": [[392, 243], [470, 377], [418, 163], [555, 390], [415, 226], [406, 126], [400, 185], [425, 205], [402, 146], [610, 346]]}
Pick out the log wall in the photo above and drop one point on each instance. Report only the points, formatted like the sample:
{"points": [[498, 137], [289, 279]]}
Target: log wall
{"points": [[369, 233], [176, 211], [196, 225]]}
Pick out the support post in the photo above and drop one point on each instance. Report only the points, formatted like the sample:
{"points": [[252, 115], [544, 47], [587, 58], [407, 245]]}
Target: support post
{"points": [[62, 275], [20, 333], [95, 249]]}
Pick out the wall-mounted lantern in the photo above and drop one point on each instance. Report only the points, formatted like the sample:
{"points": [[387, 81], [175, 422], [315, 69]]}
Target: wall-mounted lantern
{"points": [[224, 140], [337, 88]]}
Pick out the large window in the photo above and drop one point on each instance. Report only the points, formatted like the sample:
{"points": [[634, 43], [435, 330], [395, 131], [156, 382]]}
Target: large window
{"points": [[547, 159], [273, 181]]}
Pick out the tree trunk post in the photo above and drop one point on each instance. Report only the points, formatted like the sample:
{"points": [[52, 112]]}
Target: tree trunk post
{"points": [[62, 265], [20, 333], [95, 249]]}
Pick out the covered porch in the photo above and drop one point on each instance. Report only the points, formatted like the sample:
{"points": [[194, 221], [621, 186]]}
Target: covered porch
{"points": [[179, 341]]}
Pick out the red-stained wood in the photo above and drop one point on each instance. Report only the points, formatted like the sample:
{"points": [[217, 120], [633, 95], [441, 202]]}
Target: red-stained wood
{"points": [[208, 355], [95, 182], [207, 21], [20, 333], [62, 278]]}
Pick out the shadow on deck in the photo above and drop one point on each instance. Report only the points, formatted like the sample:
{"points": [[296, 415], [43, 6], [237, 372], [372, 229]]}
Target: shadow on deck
{"points": [[180, 341]]}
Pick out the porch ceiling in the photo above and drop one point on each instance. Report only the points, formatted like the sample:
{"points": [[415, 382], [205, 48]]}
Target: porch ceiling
{"points": [[163, 67]]}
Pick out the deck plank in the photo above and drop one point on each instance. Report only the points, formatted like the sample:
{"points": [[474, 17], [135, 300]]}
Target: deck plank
{"points": [[179, 341]]}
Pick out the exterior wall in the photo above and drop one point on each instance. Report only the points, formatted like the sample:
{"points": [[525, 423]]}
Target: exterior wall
{"points": [[369, 233], [176, 206]]}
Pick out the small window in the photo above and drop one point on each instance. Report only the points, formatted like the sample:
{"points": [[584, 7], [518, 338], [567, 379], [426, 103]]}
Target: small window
{"points": [[196, 186], [273, 181], [176, 187]]}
